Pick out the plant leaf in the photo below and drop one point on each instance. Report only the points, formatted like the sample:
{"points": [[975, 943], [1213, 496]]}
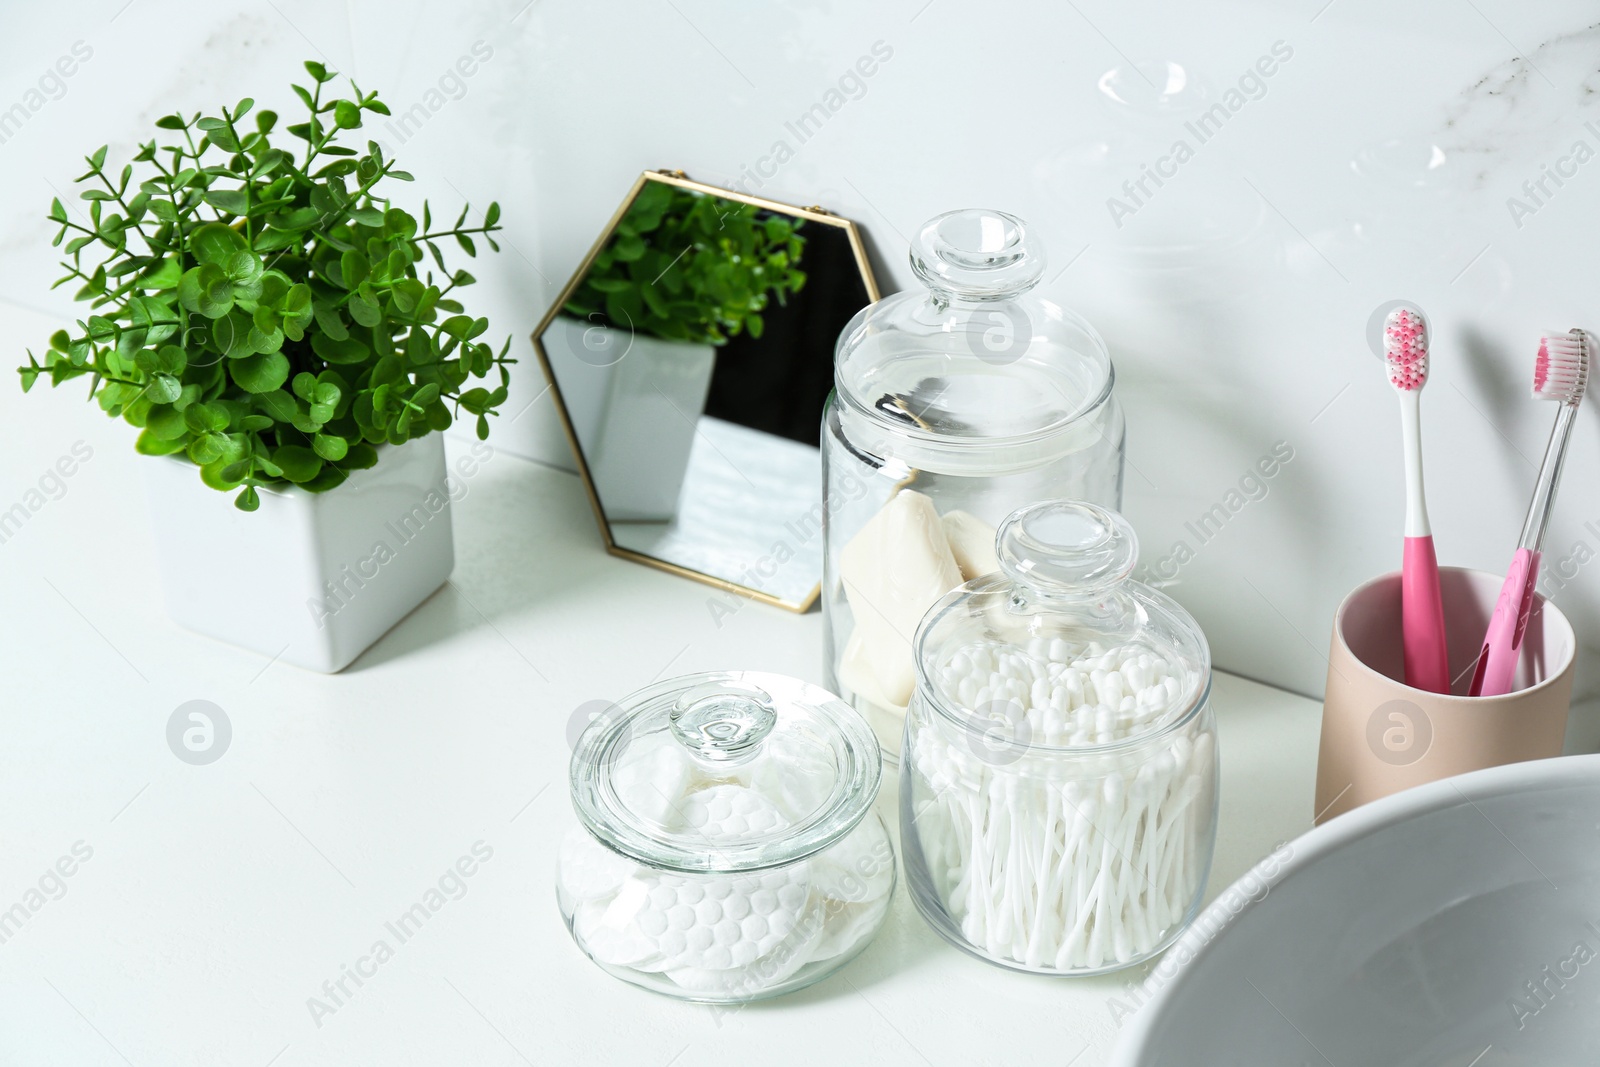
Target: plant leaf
{"points": [[214, 243], [163, 389], [233, 201], [329, 477], [202, 418], [206, 290], [329, 322], [166, 276], [166, 423], [329, 447], [261, 373], [349, 350], [207, 448], [277, 405], [150, 443], [299, 464], [365, 313], [360, 457]]}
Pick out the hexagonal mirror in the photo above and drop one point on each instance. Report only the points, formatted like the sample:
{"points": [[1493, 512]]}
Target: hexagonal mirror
{"points": [[690, 356]]}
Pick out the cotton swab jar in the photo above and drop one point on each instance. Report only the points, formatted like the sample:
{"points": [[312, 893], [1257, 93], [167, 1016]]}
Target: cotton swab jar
{"points": [[727, 849], [1058, 795]]}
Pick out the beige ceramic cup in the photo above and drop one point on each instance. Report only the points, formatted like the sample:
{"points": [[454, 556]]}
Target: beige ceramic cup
{"points": [[1380, 736]]}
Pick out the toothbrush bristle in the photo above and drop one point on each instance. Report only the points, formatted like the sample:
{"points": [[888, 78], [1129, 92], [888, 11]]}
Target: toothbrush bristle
{"points": [[1561, 369], [1405, 348]]}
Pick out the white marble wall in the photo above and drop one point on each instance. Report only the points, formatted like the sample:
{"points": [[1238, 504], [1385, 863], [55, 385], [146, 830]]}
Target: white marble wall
{"points": [[1371, 151]]}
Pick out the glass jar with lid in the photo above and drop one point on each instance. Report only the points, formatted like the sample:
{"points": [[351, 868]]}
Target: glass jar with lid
{"points": [[727, 846], [953, 405], [1058, 789]]}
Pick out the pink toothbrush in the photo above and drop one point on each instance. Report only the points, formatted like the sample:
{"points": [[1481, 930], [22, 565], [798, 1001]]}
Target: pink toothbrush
{"points": [[1559, 373], [1427, 664]]}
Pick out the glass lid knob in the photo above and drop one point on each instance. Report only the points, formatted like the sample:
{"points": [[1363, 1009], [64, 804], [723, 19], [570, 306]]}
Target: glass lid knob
{"points": [[722, 721], [1067, 547], [977, 253]]}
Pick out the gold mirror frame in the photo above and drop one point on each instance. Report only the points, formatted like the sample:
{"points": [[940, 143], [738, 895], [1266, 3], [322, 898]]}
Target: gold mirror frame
{"points": [[677, 178]]}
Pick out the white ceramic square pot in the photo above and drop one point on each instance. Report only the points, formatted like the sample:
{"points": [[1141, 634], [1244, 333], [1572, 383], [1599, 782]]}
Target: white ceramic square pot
{"points": [[311, 579], [634, 402]]}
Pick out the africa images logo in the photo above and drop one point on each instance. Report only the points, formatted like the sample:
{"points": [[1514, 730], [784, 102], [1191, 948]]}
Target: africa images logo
{"points": [[1399, 732]]}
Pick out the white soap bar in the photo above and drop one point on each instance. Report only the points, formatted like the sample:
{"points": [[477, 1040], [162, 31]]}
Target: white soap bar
{"points": [[893, 570], [971, 543], [857, 673]]}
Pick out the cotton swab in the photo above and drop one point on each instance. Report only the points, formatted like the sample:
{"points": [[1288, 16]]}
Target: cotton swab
{"points": [[1091, 867]]}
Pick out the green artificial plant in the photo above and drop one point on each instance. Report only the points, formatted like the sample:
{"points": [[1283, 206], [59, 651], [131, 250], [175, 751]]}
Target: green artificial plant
{"points": [[260, 310], [686, 266]]}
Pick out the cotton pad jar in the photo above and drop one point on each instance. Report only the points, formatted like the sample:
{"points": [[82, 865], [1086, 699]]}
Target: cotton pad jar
{"points": [[726, 849], [1058, 788]]}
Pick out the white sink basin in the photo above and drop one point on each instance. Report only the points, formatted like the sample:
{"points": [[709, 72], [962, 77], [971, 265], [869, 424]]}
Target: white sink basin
{"points": [[1457, 924]]}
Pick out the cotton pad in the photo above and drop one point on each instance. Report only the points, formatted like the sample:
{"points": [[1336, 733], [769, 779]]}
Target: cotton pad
{"points": [[609, 931], [650, 776], [795, 782], [858, 869], [848, 925], [708, 862], [727, 813], [587, 869], [747, 978], [723, 922]]}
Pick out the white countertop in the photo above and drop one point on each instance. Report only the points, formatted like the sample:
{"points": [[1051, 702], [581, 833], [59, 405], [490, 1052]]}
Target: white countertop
{"points": [[218, 899]]}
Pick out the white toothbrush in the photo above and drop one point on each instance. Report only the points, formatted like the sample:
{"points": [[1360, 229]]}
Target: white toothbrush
{"points": [[1560, 373]]}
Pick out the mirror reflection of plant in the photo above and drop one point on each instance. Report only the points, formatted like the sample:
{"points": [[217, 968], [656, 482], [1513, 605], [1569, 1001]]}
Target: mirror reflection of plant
{"points": [[264, 318], [686, 266]]}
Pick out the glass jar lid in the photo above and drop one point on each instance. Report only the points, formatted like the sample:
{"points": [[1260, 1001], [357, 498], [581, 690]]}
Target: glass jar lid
{"points": [[725, 771], [973, 374], [1060, 648], [979, 254]]}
